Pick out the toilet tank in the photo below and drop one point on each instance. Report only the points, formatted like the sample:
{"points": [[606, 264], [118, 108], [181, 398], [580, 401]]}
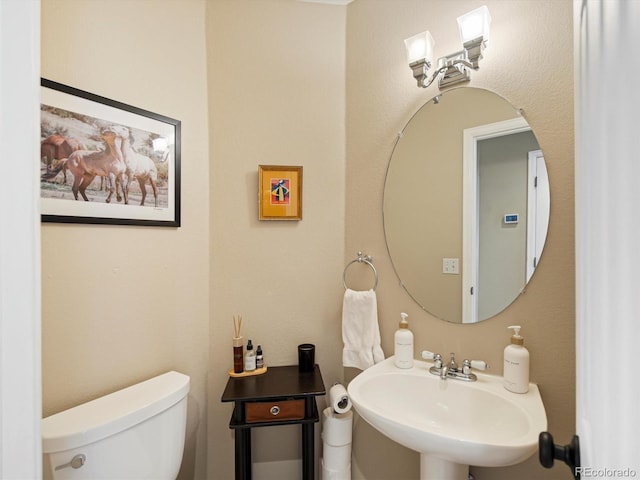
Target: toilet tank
{"points": [[134, 433]]}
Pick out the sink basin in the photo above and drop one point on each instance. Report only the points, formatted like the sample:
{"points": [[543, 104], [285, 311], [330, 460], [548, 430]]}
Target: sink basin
{"points": [[452, 423]]}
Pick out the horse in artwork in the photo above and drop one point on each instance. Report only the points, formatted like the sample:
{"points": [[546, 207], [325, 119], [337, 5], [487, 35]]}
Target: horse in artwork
{"points": [[58, 147], [139, 166], [85, 165]]}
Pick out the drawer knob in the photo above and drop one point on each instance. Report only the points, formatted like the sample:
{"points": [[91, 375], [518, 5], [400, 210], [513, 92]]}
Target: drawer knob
{"points": [[275, 410]]}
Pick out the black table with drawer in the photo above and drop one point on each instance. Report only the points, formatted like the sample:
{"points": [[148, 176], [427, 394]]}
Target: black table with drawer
{"points": [[281, 396]]}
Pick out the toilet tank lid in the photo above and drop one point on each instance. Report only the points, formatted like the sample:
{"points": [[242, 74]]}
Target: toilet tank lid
{"points": [[113, 413]]}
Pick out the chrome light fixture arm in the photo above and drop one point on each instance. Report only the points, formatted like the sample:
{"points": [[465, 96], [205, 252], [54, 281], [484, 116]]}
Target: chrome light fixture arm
{"points": [[456, 68]]}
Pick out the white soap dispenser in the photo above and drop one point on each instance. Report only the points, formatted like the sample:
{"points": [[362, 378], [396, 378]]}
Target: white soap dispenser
{"points": [[403, 344], [516, 364]]}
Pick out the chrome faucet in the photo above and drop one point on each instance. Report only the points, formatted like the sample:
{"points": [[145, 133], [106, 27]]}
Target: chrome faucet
{"points": [[453, 366], [451, 370]]}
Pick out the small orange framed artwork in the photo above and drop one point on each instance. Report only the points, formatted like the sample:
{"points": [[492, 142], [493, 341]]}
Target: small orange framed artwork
{"points": [[280, 192]]}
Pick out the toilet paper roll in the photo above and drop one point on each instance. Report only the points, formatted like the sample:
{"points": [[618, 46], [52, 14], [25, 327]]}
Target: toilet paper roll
{"points": [[336, 458], [328, 474], [336, 427], [339, 399]]}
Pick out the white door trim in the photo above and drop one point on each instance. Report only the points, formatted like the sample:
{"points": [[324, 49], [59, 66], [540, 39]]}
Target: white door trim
{"points": [[538, 206], [20, 390]]}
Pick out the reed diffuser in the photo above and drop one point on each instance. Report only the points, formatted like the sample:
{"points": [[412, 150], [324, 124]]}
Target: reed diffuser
{"points": [[238, 353]]}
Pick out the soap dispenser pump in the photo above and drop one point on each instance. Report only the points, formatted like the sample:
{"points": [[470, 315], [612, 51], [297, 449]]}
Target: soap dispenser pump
{"points": [[403, 344], [516, 364]]}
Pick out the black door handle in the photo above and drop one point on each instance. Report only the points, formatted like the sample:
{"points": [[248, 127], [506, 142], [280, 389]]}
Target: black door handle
{"points": [[569, 454]]}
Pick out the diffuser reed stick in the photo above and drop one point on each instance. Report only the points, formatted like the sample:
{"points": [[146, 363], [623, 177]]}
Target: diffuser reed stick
{"points": [[237, 326]]}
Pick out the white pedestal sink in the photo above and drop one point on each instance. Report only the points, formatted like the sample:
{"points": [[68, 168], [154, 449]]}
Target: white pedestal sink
{"points": [[452, 423]]}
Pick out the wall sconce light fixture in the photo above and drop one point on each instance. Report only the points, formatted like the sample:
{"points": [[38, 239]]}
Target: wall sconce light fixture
{"points": [[453, 68]]}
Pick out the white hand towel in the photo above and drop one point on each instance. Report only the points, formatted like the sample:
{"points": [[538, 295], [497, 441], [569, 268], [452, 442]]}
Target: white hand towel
{"points": [[360, 329]]}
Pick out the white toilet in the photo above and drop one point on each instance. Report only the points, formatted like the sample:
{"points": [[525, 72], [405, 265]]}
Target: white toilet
{"points": [[134, 433]]}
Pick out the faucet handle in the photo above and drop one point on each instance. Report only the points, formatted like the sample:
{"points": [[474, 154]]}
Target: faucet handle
{"points": [[437, 359], [427, 355], [477, 364]]}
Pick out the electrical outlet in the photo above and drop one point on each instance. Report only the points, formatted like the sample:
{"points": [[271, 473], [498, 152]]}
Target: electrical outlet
{"points": [[450, 266]]}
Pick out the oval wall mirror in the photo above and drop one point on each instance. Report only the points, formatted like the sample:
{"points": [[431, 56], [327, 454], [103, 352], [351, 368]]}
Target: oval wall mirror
{"points": [[466, 205]]}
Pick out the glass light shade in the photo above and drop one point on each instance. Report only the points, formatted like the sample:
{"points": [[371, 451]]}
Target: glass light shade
{"points": [[420, 47], [475, 24]]}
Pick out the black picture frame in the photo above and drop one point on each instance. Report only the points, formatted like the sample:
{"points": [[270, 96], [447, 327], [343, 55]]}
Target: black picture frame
{"points": [[78, 127]]}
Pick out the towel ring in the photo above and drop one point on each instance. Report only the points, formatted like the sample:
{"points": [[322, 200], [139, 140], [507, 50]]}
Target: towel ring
{"points": [[361, 259]]}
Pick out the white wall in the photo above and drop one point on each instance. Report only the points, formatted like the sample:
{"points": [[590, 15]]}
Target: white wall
{"points": [[20, 392]]}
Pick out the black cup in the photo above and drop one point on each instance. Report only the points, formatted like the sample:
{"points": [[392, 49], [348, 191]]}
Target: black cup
{"points": [[306, 357]]}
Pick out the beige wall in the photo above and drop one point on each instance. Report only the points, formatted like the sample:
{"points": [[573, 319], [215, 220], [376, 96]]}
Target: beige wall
{"points": [[276, 96], [122, 304], [530, 62]]}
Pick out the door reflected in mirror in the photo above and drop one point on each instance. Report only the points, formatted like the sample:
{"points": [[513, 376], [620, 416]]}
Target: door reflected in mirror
{"points": [[466, 205]]}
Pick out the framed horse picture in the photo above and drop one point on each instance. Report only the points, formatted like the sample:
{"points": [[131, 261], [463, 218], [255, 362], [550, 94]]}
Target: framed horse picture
{"points": [[106, 162]]}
